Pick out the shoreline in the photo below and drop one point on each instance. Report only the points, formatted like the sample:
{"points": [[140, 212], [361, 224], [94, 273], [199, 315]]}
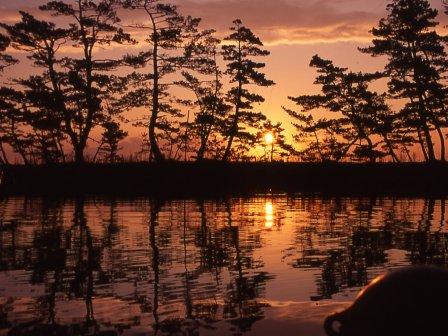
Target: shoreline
{"points": [[216, 179]]}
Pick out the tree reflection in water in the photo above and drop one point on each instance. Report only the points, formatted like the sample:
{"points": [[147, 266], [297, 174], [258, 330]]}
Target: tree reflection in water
{"points": [[365, 244], [241, 305], [106, 267]]}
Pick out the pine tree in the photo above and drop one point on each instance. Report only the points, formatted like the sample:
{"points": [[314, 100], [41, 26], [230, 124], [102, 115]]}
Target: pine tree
{"points": [[243, 71], [111, 137], [325, 139], [13, 124], [169, 38], [279, 147], [209, 101], [40, 41], [81, 87], [417, 64], [67, 98], [360, 114], [32, 134], [5, 59]]}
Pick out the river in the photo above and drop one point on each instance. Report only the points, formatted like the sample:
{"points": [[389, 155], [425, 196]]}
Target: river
{"points": [[260, 265]]}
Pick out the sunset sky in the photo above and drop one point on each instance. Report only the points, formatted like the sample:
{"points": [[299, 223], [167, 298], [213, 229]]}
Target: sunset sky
{"points": [[293, 30]]}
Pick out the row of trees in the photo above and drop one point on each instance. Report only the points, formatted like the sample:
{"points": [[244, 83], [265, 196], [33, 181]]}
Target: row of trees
{"points": [[78, 87], [83, 79], [364, 126]]}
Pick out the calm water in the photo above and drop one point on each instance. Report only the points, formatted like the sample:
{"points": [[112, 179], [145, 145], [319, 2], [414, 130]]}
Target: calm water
{"points": [[261, 265]]}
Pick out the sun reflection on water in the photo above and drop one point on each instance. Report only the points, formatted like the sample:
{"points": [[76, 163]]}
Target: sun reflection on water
{"points": [[269, 215]]}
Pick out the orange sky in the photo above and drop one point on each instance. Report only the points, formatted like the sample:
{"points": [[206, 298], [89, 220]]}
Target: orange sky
{"points": [[293, 30]]}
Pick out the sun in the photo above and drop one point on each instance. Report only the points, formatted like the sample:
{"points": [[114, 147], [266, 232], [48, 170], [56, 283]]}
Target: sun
{"points": [[269, 138]]}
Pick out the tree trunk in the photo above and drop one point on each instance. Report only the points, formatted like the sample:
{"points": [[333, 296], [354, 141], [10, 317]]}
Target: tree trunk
{"points": [[234, 129], [61, 150], [204, 143], [424, 120], [186, 137], [408, 154], [442, 144], [208, 130], [156, 153], [79, 154], [436, 124], [319, 150], [422, 145], [202, 150], [372, 157], [391, 149], [229, 146], [3, 156], [429, 144], [347, 149]]}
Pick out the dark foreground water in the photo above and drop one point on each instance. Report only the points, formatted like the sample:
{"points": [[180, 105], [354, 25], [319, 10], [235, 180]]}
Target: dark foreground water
{"points": [[267, 265]]}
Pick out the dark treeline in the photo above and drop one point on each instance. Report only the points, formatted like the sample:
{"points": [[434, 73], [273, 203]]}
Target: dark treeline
{"points": [[216, 179], [196, 95]]}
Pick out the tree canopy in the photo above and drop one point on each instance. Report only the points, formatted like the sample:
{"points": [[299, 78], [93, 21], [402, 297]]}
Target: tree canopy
{"points": [[104, 68]]}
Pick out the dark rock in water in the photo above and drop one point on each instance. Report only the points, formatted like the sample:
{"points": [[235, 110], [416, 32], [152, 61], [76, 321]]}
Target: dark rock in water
{"points": [[406, 302]]}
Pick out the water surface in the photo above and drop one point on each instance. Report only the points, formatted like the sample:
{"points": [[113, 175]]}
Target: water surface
{"points": [[264, 265]]}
